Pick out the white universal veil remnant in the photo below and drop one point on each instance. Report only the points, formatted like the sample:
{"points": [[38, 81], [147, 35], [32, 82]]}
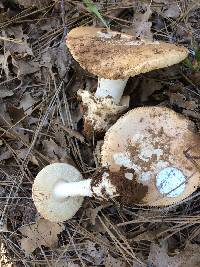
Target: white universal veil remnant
{"points": [[151, 142], [59, 188], [114, 57]]}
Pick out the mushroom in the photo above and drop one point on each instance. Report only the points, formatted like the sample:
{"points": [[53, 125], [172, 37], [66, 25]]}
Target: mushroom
{"points": [[144, 162], [114, 57], [149, 144], [59, 188]]}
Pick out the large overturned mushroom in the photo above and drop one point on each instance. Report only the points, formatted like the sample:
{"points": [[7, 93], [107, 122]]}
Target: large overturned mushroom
{"points": [[151, 144], [144, 162], [114, 57]]}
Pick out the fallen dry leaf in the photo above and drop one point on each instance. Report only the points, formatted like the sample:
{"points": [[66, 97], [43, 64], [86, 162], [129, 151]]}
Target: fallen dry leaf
{"points": [[162, 1], [5, 93], [180, 100], [4, 63], [4, 15], [96, 254], [25, 67], [73, 133], [141, 23], [16, 41], [60, 58], [57, 57], [22, 154], [30, 3], [55, 152], [188, 257], [114, 262], [172, 10], [147, 87], [5, 154], [4, 116], [41, 233], [195, 77], [191, 113], [92, 213], [16, 114], [64, 263], [26, 103], [19, 131]]}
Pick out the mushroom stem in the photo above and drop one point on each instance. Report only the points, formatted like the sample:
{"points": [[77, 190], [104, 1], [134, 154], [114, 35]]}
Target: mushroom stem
{"points": [[65, 189], [112, 88], [84, 188]]}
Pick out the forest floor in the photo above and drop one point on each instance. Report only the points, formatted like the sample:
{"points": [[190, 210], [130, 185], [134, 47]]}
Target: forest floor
{"points": [[41, 122]]}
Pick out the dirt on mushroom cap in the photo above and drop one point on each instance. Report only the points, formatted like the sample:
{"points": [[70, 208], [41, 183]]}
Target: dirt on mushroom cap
{"points": [[120, 56], [127, 191]]}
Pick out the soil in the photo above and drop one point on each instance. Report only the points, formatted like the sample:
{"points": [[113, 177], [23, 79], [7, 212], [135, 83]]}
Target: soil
{"points": [[130, 191]]}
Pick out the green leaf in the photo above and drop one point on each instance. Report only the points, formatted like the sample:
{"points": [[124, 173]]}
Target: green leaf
{"points": [[188, 63], [197, 55], [92, 8]]}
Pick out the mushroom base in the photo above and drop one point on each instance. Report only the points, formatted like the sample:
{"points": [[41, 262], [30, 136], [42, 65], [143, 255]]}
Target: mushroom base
{"points": [[100, 113]]}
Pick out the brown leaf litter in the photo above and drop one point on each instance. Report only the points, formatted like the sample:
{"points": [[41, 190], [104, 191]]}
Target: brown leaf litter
{"points": [[41, 233], [31, 3], [188, 257]]}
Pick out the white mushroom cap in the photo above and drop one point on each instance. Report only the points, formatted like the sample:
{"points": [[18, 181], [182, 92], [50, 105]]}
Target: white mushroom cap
{"points": [[51, 208], [114, 55], [150, 142]]}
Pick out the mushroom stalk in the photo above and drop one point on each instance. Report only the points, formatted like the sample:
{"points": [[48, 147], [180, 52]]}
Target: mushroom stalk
{"points": [[65, 189], [84, 188], [112, 88]]}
